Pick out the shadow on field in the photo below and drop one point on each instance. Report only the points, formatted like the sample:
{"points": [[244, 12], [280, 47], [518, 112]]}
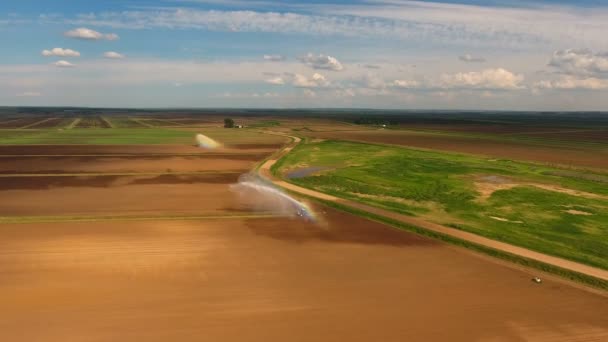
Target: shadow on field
{"points": [[338, 227]]}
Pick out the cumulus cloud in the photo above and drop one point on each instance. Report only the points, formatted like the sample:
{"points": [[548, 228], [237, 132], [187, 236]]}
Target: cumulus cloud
{"points": [[300, 81], [63, 64], [570, 83], [88, 34], [405, 84], [487, 79], [113, 55], [274, 58], [321, 62], [60, 52], [582, 62], [470, 59], [277, 80], [316, 81]]}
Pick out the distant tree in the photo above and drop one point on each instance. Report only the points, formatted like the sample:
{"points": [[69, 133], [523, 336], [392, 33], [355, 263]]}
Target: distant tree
{"points": [[228, 123]]}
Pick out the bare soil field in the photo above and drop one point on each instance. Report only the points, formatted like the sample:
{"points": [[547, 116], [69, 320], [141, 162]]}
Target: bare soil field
{"points": [[126, 164], [20, 150], [552, 155], [558, 133], [120, 195], [272, 280], [20, 122], [581, 135], [92, 122]]}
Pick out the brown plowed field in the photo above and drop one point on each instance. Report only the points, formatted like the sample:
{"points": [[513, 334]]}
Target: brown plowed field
{"points": [[123, 195], [272, 280], [19, 150], [552, 155], [20, 122], [67, 164], [46, 123], [92, 122]]}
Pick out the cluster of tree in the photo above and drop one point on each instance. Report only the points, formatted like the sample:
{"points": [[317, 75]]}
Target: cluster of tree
{"points": [[228, 123]]}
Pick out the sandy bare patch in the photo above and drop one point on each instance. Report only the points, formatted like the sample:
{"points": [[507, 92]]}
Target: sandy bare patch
{"points": [[487, 185], [502, 219], [578, 212]]}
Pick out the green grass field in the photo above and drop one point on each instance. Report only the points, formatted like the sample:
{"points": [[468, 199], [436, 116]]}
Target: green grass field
{"points": [[558, 212]]}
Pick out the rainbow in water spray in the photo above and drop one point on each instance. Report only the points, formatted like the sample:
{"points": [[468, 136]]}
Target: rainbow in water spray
{"points": [[270, 198], [204, 141]]}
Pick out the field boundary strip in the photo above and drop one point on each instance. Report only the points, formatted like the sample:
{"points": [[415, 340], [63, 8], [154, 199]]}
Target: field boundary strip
{"points": [[391, 217], [73, 123], [107, 121], [37, 123], [142, 122]]}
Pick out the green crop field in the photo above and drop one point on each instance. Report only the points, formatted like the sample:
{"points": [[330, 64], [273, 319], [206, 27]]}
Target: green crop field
{"points": [[554, 211]]}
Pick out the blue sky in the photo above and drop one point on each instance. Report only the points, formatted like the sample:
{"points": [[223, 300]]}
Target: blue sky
{"points": [[521, 55]]}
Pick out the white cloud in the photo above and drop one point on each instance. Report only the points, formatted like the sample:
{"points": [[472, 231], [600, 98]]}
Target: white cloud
{"points": [[430, 22], [570, 83], [299, 80], [316, 81], [29, 94], [470, 59], [63, 64], [60, 52], [113, 55], [276, 80], [321, 62], [88, 34], [274, 58], [406, 84], [582, 62], [487, 79]]}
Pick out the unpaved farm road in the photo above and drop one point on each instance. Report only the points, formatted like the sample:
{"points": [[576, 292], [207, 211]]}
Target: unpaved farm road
{"points": [[473, 238]]}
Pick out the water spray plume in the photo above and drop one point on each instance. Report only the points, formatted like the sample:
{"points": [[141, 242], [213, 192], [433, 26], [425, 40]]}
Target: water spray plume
{"points": [[264, 196], [204, 141]]}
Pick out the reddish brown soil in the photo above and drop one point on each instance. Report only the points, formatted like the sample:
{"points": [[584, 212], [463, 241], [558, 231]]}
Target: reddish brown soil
{"points": [[582, 135], [544, 154], [272, 280], [557, 133], [117, 195], [74, 164], [19, 150]]}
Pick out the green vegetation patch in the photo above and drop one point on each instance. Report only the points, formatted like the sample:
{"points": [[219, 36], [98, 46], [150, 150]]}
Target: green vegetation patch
{"points": [[524, 204]]}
